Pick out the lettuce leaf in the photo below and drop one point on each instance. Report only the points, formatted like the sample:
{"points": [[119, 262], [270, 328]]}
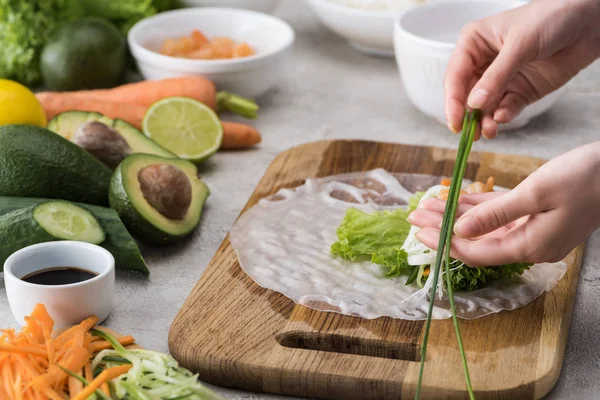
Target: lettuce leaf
{"points": [[467, 278], [377, 237], [125, 13]]}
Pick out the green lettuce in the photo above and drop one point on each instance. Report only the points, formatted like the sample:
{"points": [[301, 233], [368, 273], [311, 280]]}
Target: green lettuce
{"points": [[377, 237], [468, 278], [125, 13], [25, 26]]}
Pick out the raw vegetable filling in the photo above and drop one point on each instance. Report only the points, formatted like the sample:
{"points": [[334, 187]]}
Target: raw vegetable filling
{"points": [[70, 222], [386, 238]]}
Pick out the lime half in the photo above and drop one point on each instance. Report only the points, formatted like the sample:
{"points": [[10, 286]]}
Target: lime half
{"points": [[184, 126]]}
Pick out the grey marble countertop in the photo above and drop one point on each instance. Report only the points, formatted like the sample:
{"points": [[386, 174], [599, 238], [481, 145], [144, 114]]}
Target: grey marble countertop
{"points": [[333, 92]]}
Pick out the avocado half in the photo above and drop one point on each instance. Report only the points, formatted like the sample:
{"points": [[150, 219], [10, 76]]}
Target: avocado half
{"points": [[160, 200], [67, 123]]}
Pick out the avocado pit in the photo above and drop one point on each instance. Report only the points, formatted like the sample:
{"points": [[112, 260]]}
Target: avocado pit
{"points": [[167, 189], [103, 142]]}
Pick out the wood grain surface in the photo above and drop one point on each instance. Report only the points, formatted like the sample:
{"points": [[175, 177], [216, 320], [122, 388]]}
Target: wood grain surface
{"points": [[237, 334]]}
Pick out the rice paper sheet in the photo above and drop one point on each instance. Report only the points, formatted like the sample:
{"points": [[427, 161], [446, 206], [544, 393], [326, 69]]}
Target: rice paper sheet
{"points": [[283, 244]]}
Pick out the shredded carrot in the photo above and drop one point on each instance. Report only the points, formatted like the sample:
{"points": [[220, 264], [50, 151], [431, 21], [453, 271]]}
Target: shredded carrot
{"points": [[103, 345], [105, 389], [446, 182], [104, 376], [34, 365], [75, 386]]}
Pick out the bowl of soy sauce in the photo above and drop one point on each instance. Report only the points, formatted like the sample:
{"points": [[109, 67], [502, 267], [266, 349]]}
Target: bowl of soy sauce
{"points": [[74, 280]]}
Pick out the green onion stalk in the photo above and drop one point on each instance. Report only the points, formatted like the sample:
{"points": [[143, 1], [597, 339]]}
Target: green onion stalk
{"points": [[470, 122]]}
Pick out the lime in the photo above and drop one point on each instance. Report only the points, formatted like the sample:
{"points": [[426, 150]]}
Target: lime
{"points": [[18, 105], [184, 126]]}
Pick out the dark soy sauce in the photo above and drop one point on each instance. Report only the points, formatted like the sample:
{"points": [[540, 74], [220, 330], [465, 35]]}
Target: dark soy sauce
{"points": [[59, 276]]}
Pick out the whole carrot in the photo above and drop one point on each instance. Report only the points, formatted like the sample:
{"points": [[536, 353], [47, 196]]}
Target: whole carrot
{"points": [[56, 103], [238, 136], [146, 93]]}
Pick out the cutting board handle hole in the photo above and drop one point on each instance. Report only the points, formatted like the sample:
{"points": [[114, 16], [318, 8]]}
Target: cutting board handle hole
{"points": [[349, 345]]}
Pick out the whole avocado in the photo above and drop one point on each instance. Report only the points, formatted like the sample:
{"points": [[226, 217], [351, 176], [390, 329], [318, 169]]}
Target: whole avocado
{"points": [[89, 53], [35, 162]]}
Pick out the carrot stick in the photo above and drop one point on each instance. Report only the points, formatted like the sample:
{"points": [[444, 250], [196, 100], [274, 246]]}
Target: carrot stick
{"points": [[105, 389], [75, 386], [87, 372], [105, 345], [238, 136], [7, 348], [56, 103], [146, 93], [104, 376]]}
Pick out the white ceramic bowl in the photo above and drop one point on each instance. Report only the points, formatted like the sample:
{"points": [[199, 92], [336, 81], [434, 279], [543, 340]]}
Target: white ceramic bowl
{"points": [[265, 6], [66, 304], [424, 39], [251, 76], [368, 31]]}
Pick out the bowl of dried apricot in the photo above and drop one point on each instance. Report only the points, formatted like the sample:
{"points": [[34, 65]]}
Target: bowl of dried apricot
{"points": [[242, 51]]}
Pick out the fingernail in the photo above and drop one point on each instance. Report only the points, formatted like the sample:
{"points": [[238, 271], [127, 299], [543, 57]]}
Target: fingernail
{"points": [[466, 226], [451, 127], [410, 218], [478, 98]]}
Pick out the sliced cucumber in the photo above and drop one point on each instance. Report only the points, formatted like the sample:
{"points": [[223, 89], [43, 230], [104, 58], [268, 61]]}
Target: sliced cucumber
{"points": [[67, 221], [118, 241], [46, 222]]}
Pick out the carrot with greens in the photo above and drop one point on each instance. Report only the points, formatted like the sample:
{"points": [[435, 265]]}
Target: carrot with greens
{"points": [[146, 93]]}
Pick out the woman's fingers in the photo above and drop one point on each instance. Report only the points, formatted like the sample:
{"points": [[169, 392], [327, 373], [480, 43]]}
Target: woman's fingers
{"points": [[458, 81], [492, 85], [492, 214], [490, 250], [439, 206], [424, 218]]}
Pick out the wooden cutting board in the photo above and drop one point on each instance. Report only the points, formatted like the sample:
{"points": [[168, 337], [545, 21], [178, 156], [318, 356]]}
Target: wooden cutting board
{"points": [[237, 334]]}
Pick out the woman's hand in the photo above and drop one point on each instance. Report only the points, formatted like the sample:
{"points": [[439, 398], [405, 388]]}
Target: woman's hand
{"points": [[541, 220], [505, 62]]}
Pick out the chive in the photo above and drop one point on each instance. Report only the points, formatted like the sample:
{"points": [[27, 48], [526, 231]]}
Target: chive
{"points": [[464, 148]]}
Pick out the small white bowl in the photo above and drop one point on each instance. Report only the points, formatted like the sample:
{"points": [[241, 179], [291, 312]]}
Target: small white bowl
{"points": [[250, 76], [265, 6], [424, 39], [67, 304], [368, 31]]}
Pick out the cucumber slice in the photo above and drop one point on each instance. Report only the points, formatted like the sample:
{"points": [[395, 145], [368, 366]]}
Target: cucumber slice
{"points": [[69, 222], [118, 241]]}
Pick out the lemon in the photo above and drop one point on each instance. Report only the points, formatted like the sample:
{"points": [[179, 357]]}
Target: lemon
{"points": [[184, 126], [18, 105]]}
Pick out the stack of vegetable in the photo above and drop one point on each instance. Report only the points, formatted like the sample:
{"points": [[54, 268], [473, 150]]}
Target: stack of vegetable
{"points": [[27, 26], [131, 102], [83, 361], [90, 160]]}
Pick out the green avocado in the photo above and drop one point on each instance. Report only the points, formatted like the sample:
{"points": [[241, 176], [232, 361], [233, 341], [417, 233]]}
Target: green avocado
{"points": [[160, 200], [68, 125], [35, 162], [88, 53]]}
